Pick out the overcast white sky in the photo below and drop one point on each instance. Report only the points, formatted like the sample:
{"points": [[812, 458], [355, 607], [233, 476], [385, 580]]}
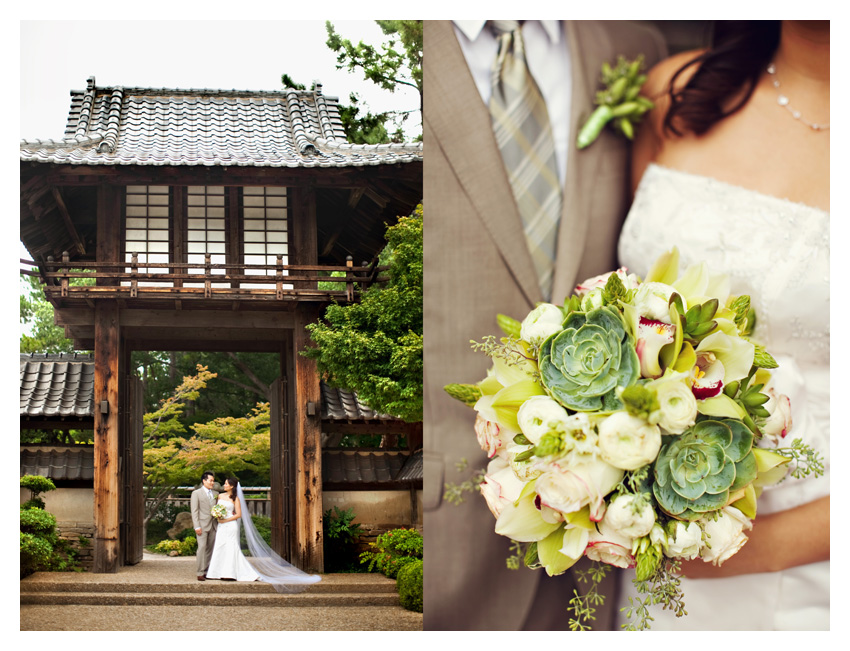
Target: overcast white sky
{"points": [[58, 56]]}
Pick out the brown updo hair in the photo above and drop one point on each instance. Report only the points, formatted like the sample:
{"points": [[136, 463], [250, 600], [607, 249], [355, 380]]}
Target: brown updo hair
{"points": [[234, 482], [726, 75]]}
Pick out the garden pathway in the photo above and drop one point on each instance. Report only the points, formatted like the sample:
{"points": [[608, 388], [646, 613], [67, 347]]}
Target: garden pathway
{"points": [[163, 594]]}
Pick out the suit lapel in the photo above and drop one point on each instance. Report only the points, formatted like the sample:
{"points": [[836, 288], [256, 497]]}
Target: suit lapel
{"points": [[581, 169], [461, 126]]}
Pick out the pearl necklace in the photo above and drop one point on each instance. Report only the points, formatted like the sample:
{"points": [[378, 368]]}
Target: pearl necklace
{"points": [[783, 101]]}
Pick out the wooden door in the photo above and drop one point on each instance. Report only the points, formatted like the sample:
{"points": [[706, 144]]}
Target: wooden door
{"points": [[282, 472], [133, 511]]}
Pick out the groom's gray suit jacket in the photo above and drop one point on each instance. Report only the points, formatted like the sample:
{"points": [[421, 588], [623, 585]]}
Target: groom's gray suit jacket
{"points": [[202, 519], [477, 265]]}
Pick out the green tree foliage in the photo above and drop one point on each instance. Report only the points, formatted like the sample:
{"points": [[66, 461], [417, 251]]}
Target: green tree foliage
{"points": [[374, 347], [226, 445], [36, 314], [397, 63]]}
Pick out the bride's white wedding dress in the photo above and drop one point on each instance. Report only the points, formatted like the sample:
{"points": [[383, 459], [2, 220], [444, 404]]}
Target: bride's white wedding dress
{"points": [[227, 561], [776, 251]]}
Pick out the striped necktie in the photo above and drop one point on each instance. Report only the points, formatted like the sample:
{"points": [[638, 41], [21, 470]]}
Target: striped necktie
{"points": [[524, 136]]}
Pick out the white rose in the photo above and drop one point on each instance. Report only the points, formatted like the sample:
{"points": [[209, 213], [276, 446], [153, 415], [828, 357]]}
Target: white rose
{"points": [[500, 486], [610, 547], [677, 404], [543, 321], [724, 536], [779, 423], [652, 301], [628, 442], [539, 414], [627, 518], [571, 488], [685, 542]]}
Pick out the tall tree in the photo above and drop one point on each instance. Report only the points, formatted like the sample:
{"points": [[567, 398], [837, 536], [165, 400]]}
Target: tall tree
{"points": [[396, 63], [374, 347]]}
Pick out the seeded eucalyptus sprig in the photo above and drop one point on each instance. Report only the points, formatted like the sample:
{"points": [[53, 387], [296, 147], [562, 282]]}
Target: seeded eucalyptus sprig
{"points": [[807, 461], [584, 607], [662, 587]]}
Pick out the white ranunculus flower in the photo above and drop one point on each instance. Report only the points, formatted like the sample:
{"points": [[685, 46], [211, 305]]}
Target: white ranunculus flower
{"points": [[685, 542], [500, 486], [724, 536], [592, 299], [570, 489], [628, 442], [652, 301], [629, 519], [677, 404], [539, 414], [543, 321]]}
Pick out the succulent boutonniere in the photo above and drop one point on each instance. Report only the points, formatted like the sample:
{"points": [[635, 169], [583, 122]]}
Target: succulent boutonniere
{"points": [[619, 103]]}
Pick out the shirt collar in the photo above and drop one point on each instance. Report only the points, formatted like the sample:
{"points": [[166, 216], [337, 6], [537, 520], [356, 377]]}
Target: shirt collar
{"points": [[472, 28]]}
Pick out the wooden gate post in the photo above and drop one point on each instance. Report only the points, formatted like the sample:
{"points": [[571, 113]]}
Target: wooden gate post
{"points": [[106, 441], [308, 450]]}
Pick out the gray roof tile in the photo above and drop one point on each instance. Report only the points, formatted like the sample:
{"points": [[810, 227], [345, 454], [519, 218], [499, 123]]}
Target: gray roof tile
{"points": [[57, 386], [160, 126], [75, 462]]}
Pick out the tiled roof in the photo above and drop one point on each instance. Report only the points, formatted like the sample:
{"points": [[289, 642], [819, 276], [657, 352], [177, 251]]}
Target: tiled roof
{"points": [[160, 126], [57, 386], [62, 386], [339, 404], [361, 467], [74, 462]]}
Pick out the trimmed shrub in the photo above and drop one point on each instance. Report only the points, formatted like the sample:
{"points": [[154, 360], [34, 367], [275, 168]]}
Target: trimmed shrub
{"points": [[393, 550], [409, 585], [186, 547]]}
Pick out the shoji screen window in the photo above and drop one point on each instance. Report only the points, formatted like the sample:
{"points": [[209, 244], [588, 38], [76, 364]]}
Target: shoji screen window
{"points": [[205, 228], [146, 226], [264, 232]]}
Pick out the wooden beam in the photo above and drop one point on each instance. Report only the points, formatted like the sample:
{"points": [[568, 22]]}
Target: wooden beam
{"points": [[197, 319], [106, 441], [308, 453], [66, 218]]}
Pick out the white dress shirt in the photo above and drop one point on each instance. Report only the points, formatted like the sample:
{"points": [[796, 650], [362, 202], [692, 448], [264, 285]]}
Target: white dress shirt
{"points": [[548, 57]]}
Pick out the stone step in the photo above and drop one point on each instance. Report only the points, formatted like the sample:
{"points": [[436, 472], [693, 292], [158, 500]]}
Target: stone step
{"points": [[50, 583], [209, 599]]}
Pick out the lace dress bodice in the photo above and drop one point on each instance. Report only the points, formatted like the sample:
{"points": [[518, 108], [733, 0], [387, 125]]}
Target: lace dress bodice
{"points": [[777, 252]]}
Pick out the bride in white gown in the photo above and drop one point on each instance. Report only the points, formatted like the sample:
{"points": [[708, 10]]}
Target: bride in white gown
{"points": [[228, 561], [749, 195]]}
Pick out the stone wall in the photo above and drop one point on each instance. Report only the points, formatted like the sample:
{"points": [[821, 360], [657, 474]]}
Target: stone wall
{"points": [[75, 533]]}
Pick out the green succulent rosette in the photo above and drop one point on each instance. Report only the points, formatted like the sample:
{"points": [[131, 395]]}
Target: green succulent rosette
{"points": [[582, 366], [697, 472]]}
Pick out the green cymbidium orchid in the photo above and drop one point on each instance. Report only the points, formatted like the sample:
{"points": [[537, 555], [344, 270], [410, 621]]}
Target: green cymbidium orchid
{"points": [[583, 365], [700, 470]]}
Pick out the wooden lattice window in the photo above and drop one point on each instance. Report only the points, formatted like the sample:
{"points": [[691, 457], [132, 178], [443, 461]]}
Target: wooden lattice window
{"points": [[265, 233], [205, 228], [146, 225]]}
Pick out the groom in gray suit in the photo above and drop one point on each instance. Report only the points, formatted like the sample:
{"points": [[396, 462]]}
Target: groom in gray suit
{"points": [[203, 499], [478, 264]]}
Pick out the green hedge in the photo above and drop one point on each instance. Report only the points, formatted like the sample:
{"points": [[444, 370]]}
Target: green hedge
{"points": [[409, 584]]}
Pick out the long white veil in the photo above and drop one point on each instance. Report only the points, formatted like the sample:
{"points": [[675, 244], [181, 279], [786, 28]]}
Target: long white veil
{"points": [[273, 569]]}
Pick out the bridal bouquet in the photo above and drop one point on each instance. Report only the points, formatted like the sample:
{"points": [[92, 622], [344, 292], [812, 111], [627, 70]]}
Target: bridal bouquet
{"points": [[219, 511], [635, 426]]}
